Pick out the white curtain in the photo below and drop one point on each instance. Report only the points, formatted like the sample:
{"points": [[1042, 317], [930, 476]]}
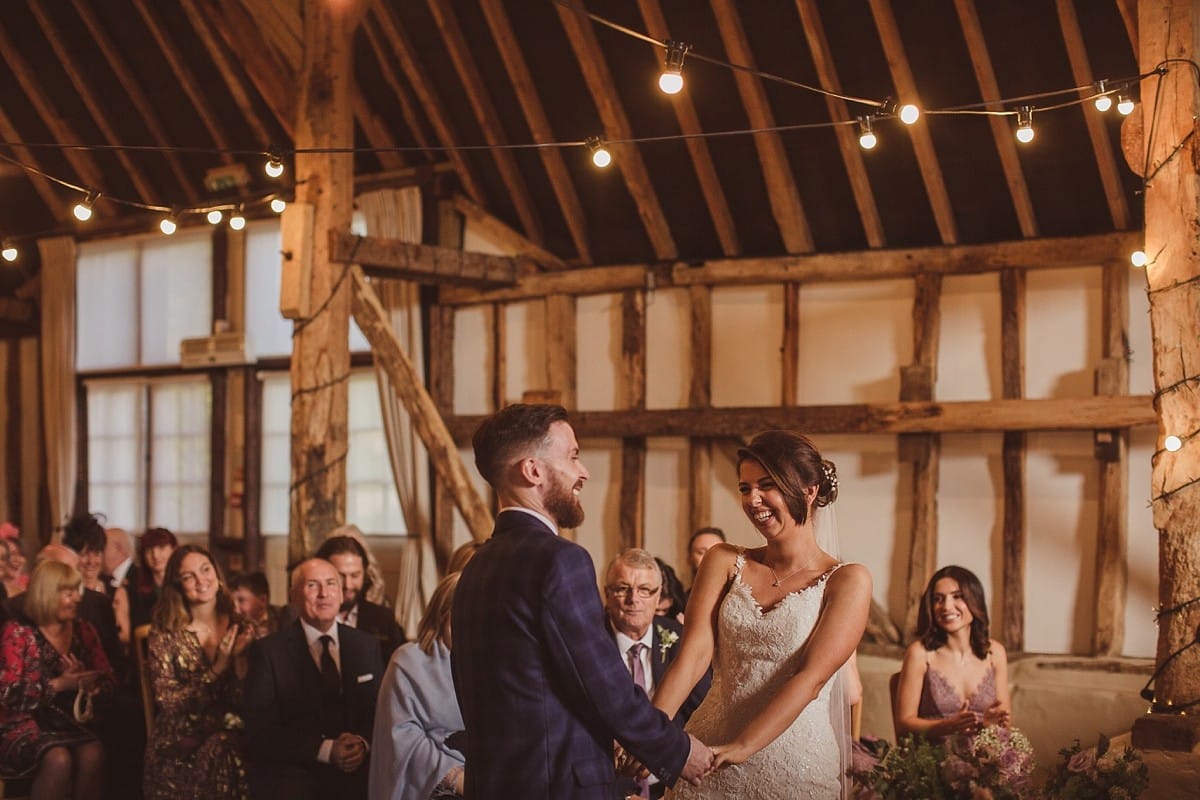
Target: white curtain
{"points": [[58, 373], [396, 214]]}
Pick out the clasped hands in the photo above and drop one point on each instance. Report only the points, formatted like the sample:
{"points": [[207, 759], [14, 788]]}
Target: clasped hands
{"points": [[349, 751], [971, 722], [701, 761], [75, 677]]}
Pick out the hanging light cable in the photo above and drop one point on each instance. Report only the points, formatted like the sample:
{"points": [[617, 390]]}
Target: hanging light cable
{"points": [[671, 78]]}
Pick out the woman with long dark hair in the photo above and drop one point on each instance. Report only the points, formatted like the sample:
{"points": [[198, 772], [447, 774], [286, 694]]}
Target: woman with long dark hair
{"points": [[954, 679], [134, 601]]}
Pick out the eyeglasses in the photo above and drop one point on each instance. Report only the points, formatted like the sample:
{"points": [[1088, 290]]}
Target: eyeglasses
{"points": [[623, 590]]}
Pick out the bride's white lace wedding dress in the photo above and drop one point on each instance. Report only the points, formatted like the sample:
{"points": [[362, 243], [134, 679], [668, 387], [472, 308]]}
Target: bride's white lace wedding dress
{"points": [[756, 652]]}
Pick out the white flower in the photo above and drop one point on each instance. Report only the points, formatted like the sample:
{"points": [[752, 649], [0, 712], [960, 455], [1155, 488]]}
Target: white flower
{"points": [[666, 640]]}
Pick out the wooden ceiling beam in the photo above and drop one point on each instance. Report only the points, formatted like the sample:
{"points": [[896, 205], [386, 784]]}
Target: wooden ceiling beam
{"points": [[922, 142], [82, 161], [847, 136], [501, 234], [407, 110], [628, 157], [784, 196], [59, 208], [1055, 253], [141, 183], [187, 79], [376, 130], [392, 258], [689, 124], [137, 96], [1129, 15], [1081, 69], [394, 35], [1002, 131], [271, 71], [487, 117], [280, 23], [539, 125]]}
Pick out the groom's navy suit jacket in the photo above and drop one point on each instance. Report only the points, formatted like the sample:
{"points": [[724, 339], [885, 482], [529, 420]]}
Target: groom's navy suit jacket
{"points": [[542, 689]]}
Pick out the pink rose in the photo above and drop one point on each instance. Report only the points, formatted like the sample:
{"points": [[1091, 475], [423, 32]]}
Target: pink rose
{"points": [[1083, 761]]}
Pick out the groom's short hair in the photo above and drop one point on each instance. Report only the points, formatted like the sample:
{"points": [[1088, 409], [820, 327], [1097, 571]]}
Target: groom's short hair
{"points": [[511, 434]]}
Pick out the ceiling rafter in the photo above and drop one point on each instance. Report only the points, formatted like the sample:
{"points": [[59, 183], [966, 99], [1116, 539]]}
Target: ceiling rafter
{"points": [[59, 208], [404, 100], [1081, 68], [377, 132], [847, 138], [689, 123], [782, 191], [82, 160], [186, 78], [270, 69], [1128, 11], [989, 90], [280, 24], [137, 95], [394, 34], [539, 125], [499, 232], [141, 183], [922, 142], [629, 160], [486, 116]]}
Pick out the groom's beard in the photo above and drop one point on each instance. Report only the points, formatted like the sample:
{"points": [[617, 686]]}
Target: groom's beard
{"points": [[564, 507]]}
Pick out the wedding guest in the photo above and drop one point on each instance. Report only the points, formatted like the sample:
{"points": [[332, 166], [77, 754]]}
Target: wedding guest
{"points": [[672, 600], [349, 558], [417, 711], [251, 597], [85, 535], [51, 665], [700, 543], [12, 568], [461, 555], [954, 679], [197, 662], [376, 589], [134, 602], [118, 558]]}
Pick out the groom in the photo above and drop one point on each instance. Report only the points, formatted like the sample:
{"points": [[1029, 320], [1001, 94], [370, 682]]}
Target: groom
{"points": [[542, 689]]}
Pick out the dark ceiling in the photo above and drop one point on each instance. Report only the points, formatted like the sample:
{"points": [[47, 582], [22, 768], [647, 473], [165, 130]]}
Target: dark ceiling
{"points": [[215, 78]]}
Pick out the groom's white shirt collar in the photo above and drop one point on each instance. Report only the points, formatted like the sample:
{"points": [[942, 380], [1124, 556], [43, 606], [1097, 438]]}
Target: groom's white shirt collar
{"points": [[533, 513]]}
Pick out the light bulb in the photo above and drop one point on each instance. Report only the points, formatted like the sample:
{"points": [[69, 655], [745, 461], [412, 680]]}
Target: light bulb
{"points": [[1103, 103], [274, 167], [215, 216], [866, 136], [1024, 124], [1124, 104], [1172, 443], [670, 82], [909, 113], [167, 226], [9, 253], [600, 156], [278, 205], [671, 79], [237, 221], [83, 209], [1138, 258]]}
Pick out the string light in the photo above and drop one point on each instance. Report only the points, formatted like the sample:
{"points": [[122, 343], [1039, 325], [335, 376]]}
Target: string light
{"points": [[215, 216], [236, 220], [1138, 258], [600, 155], [1124, 104], [168, 225], [866, 136], [1172, 443], [278, 204], [671, 79], [1025, 124], [909, 113], [1103, 101], [9, 252], [83, 209], [274, 167]]}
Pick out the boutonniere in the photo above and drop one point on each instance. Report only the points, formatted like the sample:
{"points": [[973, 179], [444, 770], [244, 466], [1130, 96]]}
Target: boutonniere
{"points": [[666, 640]]}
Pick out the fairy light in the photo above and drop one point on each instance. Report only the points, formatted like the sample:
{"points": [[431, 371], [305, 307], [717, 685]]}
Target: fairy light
{"points": [[168, 225], [866, 135], [600, 155], [1138, 258], [1104, 100], [83, 209], [278, 204], [274, 166], [9, 252], [909, 113], [1024, 124], [671, 78], [1172, 443], [215, 216], [236, 220], [1124, 104]]}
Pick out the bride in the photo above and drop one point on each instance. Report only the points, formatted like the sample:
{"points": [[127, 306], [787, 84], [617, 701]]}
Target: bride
{"points": [[776, 623]]}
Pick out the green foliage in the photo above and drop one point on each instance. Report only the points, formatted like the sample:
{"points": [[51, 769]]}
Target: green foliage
{"points": [[1097, 774]]}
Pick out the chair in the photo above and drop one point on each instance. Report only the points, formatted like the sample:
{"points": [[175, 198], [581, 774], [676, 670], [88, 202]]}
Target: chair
{"points": [[894, 689], [856, 712], [141, 657]]}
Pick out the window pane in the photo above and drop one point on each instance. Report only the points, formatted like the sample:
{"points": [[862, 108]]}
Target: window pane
{"points": [[115, 460], [106, 305], [176, 294], [267, 332], [371, 500], [180, 455], [276, 454]]}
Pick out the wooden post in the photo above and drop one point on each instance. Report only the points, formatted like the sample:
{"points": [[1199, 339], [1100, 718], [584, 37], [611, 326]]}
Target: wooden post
{"points": [[441, 385], [320, 343], [1170, 102], [700, 396], [1012, 371], [633, 450]]}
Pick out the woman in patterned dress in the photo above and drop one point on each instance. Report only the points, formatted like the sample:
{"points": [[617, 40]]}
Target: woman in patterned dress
{"points": [[197, 661], [50, 663]]}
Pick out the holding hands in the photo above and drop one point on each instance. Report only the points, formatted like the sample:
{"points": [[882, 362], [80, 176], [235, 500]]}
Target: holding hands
{"points": [[699, 763]]}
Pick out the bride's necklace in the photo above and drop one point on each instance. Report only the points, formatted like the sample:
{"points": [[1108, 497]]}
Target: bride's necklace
{"points": [[779, 580]]}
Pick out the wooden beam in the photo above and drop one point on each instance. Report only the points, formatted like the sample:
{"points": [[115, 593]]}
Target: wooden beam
{"points": [[631, 517], [689, 125], [269, 51], [821, 267], [392, 258], [1057, 414], [1081, 69], [539, 125], [784, 196], [410, 388], [989, 90], [503, 236], [1129, 15], [407, 108], [393, 33], [922, 554], [700, 397], [280, 23], [847, 136], [379, 136], [616, 127], [789, 349], [560, 338], [499, 357], [633, 448], [59, 209], [922, 142], [1013, 534], [486, 115]]}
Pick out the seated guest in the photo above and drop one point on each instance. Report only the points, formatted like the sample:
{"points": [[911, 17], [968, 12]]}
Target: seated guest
{"points": [[953, 679], [350, 560], [251, 597], [461, 555], [417, 710], [698, 545], [648, 643], [134, 602], [376, 589], [197, 661], [12, 560], [85, 535], [310, 697], [672, 600], [118, 558], [51, 664]]}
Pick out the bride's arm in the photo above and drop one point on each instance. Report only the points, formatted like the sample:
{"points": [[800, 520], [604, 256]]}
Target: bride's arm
{"points": [[699, 630], [838, 630]]}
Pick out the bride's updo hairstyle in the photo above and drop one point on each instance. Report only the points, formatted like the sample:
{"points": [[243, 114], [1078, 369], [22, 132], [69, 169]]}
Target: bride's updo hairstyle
{"points": [[793, 462]]}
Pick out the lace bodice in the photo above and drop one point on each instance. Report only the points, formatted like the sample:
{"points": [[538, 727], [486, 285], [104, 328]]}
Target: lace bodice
{"points": [[939, 699], [755, 653]]}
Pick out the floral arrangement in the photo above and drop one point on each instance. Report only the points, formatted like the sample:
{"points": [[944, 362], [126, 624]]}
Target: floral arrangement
{"points": [[995, 764], [1100, 774], [666, 640]]}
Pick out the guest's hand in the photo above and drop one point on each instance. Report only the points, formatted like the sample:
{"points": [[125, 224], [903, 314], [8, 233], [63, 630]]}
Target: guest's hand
{"points": [[627, 765], [699, 763], [996, 715], [348, 752], [725, 755], [964, 722]]}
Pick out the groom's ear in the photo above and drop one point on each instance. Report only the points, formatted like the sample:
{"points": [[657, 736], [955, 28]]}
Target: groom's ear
{"points": [[531, 470]]}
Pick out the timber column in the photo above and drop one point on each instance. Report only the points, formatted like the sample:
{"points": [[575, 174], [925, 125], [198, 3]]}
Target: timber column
{"points": [[1167, 30], [324, 202]]}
